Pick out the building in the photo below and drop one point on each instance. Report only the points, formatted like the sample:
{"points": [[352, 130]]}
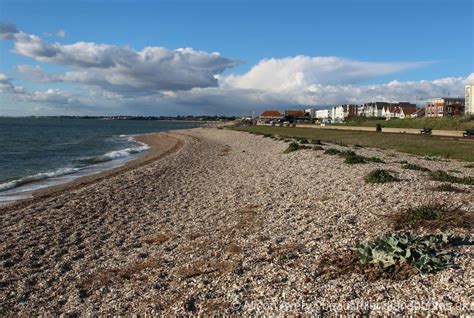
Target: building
{"points": [[311, 112], [270, 115], [469, 99], [343, 111], [373, 109], [445, 106], [398, 110], [295, 113], [419, 113], [323, 114]]}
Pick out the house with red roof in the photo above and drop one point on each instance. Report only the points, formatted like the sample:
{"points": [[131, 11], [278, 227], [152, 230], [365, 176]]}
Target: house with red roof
{"points": [[270, 115]]}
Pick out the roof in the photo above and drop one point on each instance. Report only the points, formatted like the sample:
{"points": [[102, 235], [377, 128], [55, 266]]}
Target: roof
{"points": [[270, 113], [295, 113], [408, 110]]}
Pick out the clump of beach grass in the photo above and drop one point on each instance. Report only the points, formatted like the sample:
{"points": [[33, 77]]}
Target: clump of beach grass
{"points": [[292, 147], [380, 176], [332, 151], [424, 212], [448, 187], [354, 158], [412, 166], [439, 175]]}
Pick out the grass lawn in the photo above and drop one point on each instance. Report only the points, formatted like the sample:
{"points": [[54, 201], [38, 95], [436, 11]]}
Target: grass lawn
{"points": [[443, 123], [433, 146]]}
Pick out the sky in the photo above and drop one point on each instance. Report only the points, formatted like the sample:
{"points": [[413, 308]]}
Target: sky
{"points": [[228, 57]]}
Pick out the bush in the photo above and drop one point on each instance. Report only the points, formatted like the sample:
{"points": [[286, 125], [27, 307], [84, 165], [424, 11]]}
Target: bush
{"points": [[447, 187], [292, 147], [440, 175], [424, 212], [411, 166], [380, 176], [332, 151], [426, 253], [316, 142], [374, 159], [304, 141], [353, 158]]}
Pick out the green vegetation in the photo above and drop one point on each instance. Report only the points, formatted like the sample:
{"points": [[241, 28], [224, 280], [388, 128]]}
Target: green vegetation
{"points": [[316, 142], [354, 158], [443, 123], [447, 187], [374, 159], [304, 141], [412, 166], [470, 165], [424, 212], [332, 151], [380, 176], [440, 175], [351, 157], [292, 147], [452, 148], [427, 253]]}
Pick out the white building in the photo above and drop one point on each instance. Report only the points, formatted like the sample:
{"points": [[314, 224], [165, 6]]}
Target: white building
{"points": [[374, 109], [343, 111], [311, 112], [469, 99], [323, 113]]}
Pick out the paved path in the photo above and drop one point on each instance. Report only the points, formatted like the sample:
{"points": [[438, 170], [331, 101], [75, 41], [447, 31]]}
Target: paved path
{"points": [[446, 133]]}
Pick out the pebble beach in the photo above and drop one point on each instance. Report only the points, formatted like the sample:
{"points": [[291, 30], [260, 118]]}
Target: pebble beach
{"points": [[215, 221]]}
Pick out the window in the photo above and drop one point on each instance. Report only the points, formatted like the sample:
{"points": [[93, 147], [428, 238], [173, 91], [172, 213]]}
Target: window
{"points": [[440, 109]]}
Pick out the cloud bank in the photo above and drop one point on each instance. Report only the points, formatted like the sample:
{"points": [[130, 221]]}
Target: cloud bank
{"points": [[157, 80]]}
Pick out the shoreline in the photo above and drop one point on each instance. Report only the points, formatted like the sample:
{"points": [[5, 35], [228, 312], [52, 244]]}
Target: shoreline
{"points": [[160, 143], [224, 218]]}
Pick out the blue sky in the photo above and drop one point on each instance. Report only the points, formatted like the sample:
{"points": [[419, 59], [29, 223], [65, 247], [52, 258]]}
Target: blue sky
{"points": [[437, 33]]}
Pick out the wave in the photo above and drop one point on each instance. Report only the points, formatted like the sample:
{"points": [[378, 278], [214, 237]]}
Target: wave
{"points": [[117, 154], [37, 177], [87, 165]]}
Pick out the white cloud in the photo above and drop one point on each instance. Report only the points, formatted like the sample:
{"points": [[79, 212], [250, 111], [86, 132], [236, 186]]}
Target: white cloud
{"points": [[301, 71], [122, 69], [186, 81]]}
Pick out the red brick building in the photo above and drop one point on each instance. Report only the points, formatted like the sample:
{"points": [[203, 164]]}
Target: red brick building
{"points": [[446, 106]]}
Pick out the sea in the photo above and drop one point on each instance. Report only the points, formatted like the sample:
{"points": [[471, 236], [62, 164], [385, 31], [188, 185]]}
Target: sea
{"points": [[38, 152]]}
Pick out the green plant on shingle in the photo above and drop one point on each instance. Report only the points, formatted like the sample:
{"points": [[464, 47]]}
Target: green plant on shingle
{"points": [[447, 187], [342, 144], [332, 151], [304, 141], [292, 147], [469, 165], [426, 253], [411, 166], [374, 159], [440, 175], [353, 159], [316, 142], [424, 212], [267, 135], [380, 176]]}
